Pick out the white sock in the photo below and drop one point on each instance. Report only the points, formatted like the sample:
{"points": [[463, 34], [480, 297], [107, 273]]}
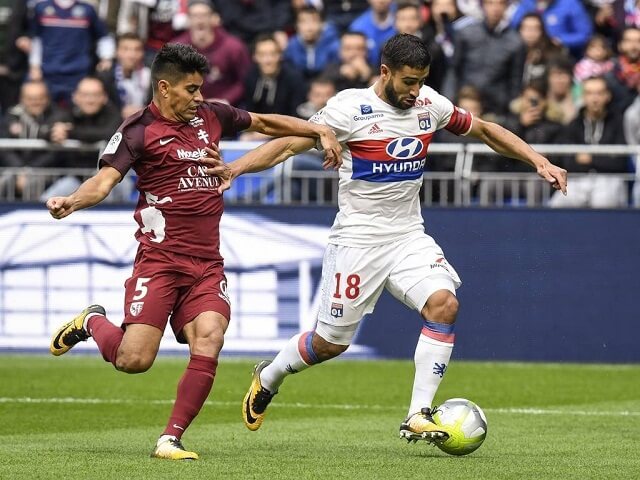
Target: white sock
{"points": [[288, 361], [164, 438], [85, 322], [431, 359]]}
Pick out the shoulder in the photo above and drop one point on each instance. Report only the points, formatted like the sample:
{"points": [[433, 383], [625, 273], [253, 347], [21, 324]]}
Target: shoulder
{"points": [[133, 127], [349, 97]]}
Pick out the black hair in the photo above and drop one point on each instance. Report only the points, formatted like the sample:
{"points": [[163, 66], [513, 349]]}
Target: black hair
{"points": [[174, 61], [310, 9], [405, 50], [264, 37]]}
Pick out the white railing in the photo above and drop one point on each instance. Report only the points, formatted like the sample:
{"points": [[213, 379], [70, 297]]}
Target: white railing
{"points": [[306, 183]]}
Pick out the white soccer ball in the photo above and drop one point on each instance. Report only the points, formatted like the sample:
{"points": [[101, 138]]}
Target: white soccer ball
{"points": [[466, 423]]}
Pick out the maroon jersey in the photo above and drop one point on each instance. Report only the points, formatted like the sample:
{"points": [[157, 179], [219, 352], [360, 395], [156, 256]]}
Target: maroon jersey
{"points": [[179, 208]]}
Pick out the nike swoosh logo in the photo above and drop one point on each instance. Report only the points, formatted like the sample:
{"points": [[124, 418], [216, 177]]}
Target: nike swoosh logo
{"points": [[247, 412], [164, 141], [56, 340]]}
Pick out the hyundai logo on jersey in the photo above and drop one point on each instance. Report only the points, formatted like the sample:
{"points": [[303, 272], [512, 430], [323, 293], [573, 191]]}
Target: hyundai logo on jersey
{"points": [[390, 160], [366, 109], [404, 147]]}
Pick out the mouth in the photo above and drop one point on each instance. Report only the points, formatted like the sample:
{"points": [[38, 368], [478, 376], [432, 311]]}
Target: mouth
{"points": [[409, 102]]}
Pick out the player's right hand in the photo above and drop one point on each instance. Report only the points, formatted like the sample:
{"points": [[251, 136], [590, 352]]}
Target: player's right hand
{"points": [[60, 207]]}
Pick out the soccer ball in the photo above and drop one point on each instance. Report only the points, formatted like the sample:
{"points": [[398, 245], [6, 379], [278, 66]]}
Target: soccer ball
{"points": [[466, 422]]}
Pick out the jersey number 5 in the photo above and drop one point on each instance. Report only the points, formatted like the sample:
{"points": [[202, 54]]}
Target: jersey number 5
{"points": [[352, 289], [141, 288]]}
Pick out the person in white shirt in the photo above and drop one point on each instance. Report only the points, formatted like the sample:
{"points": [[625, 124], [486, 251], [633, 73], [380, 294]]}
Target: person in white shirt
{"points": [[378, 240]]}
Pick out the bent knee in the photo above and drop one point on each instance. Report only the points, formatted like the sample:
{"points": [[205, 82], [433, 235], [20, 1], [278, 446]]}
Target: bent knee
{"points": [[442, 307], [133, 363]]}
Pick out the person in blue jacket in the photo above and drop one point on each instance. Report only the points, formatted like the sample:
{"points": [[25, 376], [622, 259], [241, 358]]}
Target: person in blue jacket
{"points": [[315, 44], [566, 21]]}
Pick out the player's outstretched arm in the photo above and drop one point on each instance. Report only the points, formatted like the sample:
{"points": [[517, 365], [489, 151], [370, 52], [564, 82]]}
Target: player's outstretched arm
{"points": [[276, 125], [508, 144], [262, 158], [90, 193]]}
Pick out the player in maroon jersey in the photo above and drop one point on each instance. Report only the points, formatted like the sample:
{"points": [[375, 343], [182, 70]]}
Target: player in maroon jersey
{"points": [[178, 270]]}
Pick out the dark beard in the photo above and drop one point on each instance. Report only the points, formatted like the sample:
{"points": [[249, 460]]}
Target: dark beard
{"points": [[392, 97]]}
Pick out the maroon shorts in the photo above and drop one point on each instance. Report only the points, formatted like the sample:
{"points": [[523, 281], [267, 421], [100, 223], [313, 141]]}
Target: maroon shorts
{"points": [[166, 284]]}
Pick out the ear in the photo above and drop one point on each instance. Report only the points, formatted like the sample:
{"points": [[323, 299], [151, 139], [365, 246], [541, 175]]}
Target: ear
{"points": [[163, 88], [385, 72]]}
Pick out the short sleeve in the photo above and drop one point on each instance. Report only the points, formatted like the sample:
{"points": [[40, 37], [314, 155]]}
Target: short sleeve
{"points": [[335, 118], [232, 120], [123, 149], [450, 117]]}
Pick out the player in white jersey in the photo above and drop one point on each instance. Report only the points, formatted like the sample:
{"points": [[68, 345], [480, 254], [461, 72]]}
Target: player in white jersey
{"points": [[377, 240]]}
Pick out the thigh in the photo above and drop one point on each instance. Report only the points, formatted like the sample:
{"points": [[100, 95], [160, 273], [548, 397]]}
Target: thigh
{"points": [[422, 269], [352, 281], [152, 290], [207, 294]]}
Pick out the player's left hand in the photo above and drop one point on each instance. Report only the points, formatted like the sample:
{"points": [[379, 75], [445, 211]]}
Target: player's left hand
{"points": [[332, 149], [555, 175]]}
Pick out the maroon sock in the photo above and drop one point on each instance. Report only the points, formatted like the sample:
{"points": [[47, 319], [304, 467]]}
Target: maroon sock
{"points": [[193, 390], [106, 335]]}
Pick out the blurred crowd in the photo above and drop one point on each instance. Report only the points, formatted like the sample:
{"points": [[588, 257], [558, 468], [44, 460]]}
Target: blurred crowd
{"points": [[552, 71]]}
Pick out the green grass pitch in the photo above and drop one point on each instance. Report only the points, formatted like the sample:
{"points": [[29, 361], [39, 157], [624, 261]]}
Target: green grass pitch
{"points": [[76, 418]]}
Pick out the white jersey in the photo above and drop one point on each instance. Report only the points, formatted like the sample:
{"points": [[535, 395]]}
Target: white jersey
{"points": [[384, 156]]}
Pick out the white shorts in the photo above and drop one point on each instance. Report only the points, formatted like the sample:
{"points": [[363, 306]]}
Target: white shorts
{"points": [[353, 279]]}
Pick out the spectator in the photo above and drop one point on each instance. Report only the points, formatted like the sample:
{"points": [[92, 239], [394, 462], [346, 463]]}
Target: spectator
{"points": [[320, 91], [272, 86], [596, 124], [93, 118], [13, 62], [62, 52], [155, 21], [560, 97], [632, 13], [567, 21], [377, 24], [342, 13], [532, 122], [249, 18], [596, 61], [624, 78], [314, 45], [128, 80], [409, 20], [32, 118], [540, 48], [352, 69], [490, 58], [631, 124], [228, 56]]}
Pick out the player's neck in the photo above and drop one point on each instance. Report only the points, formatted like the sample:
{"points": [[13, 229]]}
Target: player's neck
{"points": [[166, 111], [378, 87]]}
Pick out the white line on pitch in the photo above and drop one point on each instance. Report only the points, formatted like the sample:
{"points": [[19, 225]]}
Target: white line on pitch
{"points": [[338, 406]]}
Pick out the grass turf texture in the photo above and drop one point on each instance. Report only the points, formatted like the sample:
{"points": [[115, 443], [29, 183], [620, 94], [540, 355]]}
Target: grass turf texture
{"points": [[75, 417]]}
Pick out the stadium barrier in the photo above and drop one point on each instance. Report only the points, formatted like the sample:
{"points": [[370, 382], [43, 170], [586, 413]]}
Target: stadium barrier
{"points": [[538, 284], [302, 181]]}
